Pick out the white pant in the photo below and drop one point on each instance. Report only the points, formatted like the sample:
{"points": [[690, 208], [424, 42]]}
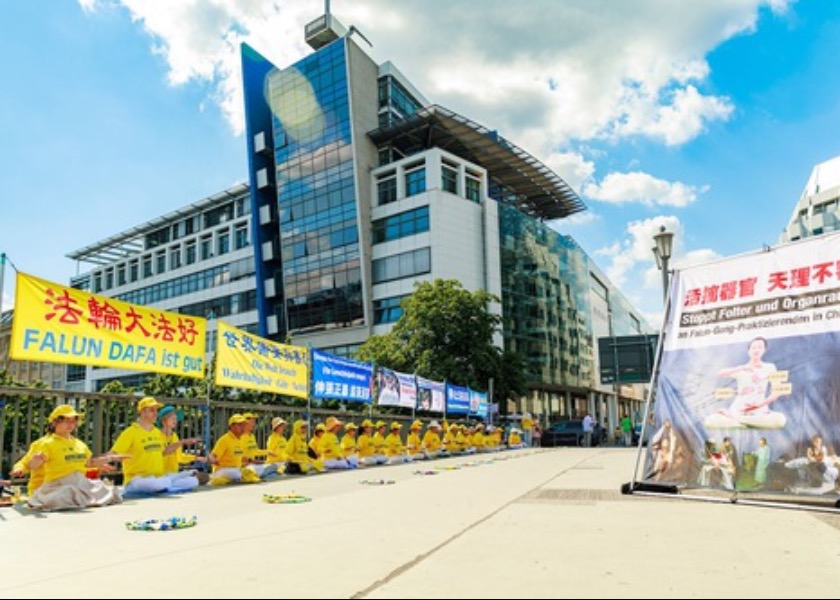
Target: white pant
{"points": [[182, 481]]}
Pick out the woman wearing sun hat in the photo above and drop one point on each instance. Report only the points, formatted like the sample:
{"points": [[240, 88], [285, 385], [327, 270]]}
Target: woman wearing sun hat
{"points": [[276, 444], [413, 443], [65, 460], [331, 452], [394, 447], [348, 445]]}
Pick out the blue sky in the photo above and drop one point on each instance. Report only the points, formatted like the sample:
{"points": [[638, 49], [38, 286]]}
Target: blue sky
{"points": [[705, 117]]}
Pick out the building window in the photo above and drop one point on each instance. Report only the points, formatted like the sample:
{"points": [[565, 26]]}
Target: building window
{"points": [[449, 179], [190, 247], [398, 226], [147, 266], [387, 310], [400, 266], [175, 258], [133, 267], [97, 283], [121, 275], [415, 182], [109, 279], [473, 189], [241, 237], [206, 247], [160, 262], [386, 191], [224, 243]]}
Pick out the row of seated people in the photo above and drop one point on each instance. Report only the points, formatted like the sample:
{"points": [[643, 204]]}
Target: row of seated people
{"points": [[60, 466]]}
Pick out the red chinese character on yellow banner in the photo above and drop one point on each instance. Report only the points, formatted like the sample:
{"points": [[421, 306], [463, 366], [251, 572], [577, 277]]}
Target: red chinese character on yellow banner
{"points": [[63, 305], [104, 315]]}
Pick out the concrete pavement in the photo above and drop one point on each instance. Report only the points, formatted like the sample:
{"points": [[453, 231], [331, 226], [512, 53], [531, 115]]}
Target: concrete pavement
{"points": [[544, 524]]}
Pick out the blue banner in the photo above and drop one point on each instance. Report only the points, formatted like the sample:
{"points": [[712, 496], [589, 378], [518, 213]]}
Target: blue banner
{"points": [[340, 378], [457, 400], [478, 404]]}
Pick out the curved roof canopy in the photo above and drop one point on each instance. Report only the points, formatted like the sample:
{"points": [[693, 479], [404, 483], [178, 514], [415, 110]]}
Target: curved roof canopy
{"points": [[536, 190]]}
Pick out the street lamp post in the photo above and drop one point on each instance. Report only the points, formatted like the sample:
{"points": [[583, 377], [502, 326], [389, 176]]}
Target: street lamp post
{"points": [[662, 251]]}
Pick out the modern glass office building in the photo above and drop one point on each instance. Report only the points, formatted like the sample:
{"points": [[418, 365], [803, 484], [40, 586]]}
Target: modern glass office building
{"points": [[360, 187], [818, 208]]}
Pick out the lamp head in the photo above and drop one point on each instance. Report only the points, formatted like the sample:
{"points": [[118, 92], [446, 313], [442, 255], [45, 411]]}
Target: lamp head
{"points": [[664, 243]]}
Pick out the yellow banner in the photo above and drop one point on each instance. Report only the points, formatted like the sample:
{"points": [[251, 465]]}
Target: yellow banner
{"points": [[249, 361], [55, 323]]}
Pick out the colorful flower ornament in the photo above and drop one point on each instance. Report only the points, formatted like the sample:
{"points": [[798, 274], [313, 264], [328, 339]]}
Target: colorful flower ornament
{"points": [[292, 498], [162, 524]]}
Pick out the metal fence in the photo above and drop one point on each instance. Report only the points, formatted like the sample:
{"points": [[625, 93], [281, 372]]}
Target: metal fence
{"points": [[24, 414]]}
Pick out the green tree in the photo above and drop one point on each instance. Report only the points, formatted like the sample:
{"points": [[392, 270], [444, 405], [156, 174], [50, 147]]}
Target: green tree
{"points": [[446, 332]]}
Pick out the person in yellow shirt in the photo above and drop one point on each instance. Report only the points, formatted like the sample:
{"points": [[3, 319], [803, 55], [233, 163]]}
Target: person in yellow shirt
{"points": [[21, 467], [297, 450], [331, 452], [379, 439], [256, 455], [315, 442], [228, 453], [173, 453], [414, 445], [450, 442], [432, 445], [394, 447], [515, 439], [477, 440], [65, 460], [348, 445], [367, 447], [144, 444], [528, 428], [276, 445]]}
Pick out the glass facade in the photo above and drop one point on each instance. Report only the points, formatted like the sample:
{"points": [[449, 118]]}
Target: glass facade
{"points": [[316, 195], [545, 300], [395, 103]]}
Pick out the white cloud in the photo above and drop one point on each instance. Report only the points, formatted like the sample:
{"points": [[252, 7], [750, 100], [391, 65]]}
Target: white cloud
{"points": [[620, 188], [631, 259], [575, 168], [546, 74]]}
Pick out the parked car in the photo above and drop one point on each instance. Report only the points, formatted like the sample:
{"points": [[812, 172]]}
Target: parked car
{"points": [[567, 433]]}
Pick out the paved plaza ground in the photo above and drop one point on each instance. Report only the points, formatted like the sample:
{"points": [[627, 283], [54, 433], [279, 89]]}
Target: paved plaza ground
{"points": [[546, 524]]}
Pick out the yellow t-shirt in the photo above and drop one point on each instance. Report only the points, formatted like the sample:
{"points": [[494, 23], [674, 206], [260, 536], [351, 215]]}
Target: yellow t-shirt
{"points": [[63, 456], [296, 449], [348, 445], [36, 477], [431, 441], [172, 462], [145, 449], [365, 445], [277, 448], [329, 446], [252, 449], [413, 442], [378, 443], [229, 451], [394, 445]]}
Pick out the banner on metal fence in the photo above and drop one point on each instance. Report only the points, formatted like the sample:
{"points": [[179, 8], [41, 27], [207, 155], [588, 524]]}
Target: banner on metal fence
{"points": [[457, 400], [431, 395], [340, 378], [748, 393], [245, 360], [57, 323]]}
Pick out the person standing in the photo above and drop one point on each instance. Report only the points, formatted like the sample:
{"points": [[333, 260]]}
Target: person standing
{"points": [[588, 428], [627, 430]]}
